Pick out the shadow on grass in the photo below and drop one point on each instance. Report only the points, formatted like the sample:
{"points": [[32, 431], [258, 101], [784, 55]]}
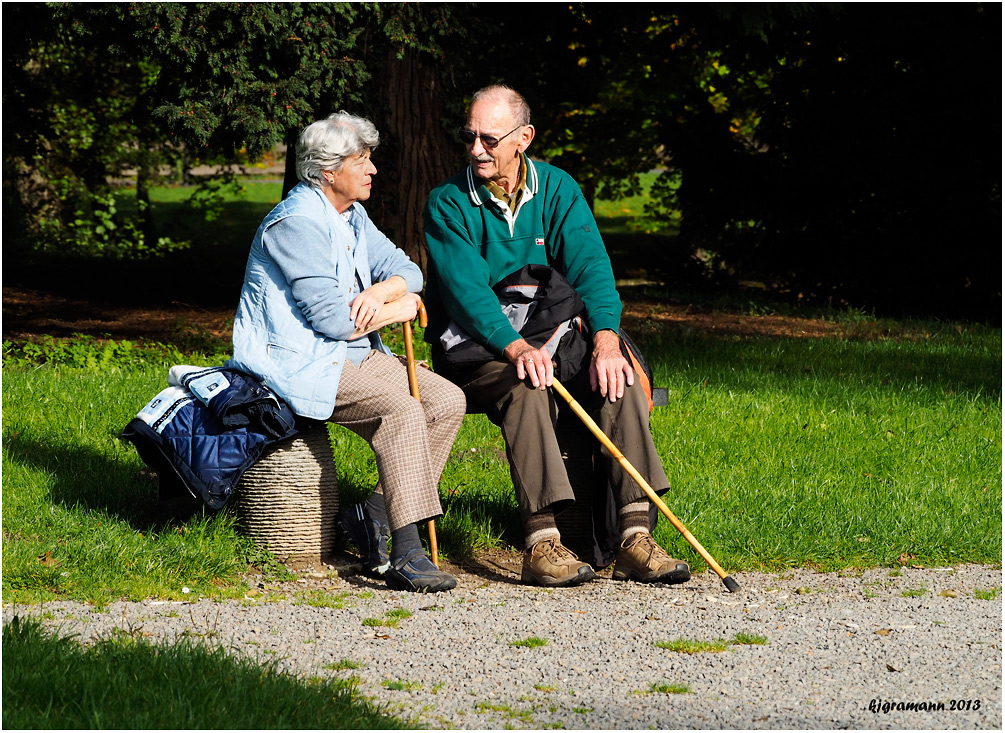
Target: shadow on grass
{"points": [[53, 683], [473, 519], [91, 480], [943, 367]]}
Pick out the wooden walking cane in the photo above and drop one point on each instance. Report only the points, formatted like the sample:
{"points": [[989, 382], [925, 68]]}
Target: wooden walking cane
{"points": [[413, 386], [730, 584]]}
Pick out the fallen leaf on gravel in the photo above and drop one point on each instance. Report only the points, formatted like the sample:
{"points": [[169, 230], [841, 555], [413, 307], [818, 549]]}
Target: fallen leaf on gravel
{"points": [[883, 632], [431, 608], [948, 594], [381, 636], [892, 668]]}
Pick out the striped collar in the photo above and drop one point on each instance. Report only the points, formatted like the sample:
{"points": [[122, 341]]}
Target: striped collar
{"points": [[479, 194]]}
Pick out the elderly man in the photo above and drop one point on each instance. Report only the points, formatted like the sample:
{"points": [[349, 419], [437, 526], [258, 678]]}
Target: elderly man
{"points": [[320, 282], [504, 212]]}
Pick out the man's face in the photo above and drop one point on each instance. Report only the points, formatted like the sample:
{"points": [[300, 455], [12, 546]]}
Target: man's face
{"points": [[351, 183], [493, 119]]}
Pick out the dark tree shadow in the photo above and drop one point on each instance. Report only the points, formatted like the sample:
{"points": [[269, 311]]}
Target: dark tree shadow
{"points": [[85, 478]]}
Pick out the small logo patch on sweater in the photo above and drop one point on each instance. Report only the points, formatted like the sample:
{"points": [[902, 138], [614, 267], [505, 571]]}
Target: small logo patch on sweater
{"points": [[539, 241]]}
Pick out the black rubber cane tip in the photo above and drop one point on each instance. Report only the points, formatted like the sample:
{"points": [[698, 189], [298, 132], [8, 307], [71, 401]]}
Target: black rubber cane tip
{"points": [[731, 585]]}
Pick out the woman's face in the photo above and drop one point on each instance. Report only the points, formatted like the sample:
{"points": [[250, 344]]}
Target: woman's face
{"points": [[351, 183]]}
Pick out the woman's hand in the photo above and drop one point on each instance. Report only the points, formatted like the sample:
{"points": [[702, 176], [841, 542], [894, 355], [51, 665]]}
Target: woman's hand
{"points": [[369, 310], [365, 307], [370, 313]]}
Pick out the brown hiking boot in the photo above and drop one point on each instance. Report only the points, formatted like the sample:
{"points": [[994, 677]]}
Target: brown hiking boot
{"points": [[551, 564], [641, 559]]}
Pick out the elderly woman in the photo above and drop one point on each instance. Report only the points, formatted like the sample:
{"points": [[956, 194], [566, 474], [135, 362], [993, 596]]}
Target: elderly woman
{"points": [[321, 280]]}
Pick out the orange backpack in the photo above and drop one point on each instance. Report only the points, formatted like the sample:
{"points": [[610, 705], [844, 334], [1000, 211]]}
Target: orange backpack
{"points": [[658, 396]]}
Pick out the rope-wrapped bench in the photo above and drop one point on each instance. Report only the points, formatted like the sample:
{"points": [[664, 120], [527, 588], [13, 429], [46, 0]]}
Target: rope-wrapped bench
{"points": [[288, 501]]}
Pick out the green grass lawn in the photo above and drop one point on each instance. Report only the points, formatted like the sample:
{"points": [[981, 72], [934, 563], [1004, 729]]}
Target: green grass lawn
{"points": [[828, 453], [225, 227], [835, 453]]}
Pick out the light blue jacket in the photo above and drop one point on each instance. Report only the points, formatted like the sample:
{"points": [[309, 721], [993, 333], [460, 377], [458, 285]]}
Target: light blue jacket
{"points": [[307, 263]]}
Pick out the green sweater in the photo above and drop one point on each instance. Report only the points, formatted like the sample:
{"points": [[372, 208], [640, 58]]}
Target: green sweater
{"points": [[475, 241]]}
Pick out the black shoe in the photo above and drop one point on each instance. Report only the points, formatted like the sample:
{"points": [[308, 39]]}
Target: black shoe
{"points": [[416, 572], [369, 536]]}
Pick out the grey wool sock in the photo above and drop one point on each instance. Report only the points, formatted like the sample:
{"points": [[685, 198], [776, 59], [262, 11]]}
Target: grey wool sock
{"points": [[633, 518], [539, 526]]}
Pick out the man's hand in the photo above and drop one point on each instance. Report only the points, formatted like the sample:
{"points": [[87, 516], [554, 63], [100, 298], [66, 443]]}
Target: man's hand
{"points": [[609, 369], [531, 362]]}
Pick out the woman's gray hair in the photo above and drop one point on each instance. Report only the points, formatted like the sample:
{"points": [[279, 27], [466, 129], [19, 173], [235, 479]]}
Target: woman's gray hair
{"points": [[325, 144]]}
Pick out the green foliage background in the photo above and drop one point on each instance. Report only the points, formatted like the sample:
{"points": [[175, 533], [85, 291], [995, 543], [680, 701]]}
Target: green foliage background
{"points": [[828, 152]]}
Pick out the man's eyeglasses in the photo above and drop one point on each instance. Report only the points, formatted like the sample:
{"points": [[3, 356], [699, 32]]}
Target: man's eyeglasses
{"points": [[488, 142]]}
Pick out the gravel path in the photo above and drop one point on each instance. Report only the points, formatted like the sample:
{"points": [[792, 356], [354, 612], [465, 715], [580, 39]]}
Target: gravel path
{"points": [[850, 650]]}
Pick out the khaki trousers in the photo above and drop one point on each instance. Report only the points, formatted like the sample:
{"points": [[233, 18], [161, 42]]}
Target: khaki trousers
{"points": [[527, 418], [410, 439]]}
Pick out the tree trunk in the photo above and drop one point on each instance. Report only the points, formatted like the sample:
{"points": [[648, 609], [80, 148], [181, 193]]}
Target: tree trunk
{"points": [[290, 171], [146, 170], [414, 154]]}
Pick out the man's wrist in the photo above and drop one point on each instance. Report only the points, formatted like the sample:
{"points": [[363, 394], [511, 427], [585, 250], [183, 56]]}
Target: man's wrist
{"points": [[513, 348]]}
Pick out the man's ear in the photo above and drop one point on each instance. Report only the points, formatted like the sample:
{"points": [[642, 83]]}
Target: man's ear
{"points": [[526, 137]]}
